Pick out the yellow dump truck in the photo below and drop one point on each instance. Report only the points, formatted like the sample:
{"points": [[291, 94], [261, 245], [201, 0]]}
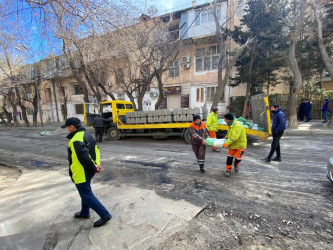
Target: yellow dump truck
{"points": [[124, 121]]}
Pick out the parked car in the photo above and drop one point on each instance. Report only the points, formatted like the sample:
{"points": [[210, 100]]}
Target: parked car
{"points": [[330, 169]]}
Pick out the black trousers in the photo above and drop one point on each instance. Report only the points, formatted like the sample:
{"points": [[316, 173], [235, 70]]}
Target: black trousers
{"points": [[301, 115], [99, 134], [276, 144]]}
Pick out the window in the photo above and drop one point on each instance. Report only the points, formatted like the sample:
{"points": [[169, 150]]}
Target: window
{"points": [[121, 96], [106, 108], [173, 69], [207, 59], [206, 15], [77, 89], [30, 111], [48, 95], [27, 94], [129, 106], [120, 106], [211, 93], [200, 94], [79, 109], [62, 92], [57, 63], [174, 31]]}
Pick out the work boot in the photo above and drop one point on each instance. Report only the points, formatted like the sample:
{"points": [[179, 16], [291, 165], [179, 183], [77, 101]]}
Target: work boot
{"points": [[227, 174], [276, 159], [102, 221], [202, 170], [236, 168], [216, 150], [266, 159], [79, 216]]}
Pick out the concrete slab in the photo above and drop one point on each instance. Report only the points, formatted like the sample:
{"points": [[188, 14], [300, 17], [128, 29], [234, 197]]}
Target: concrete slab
{"points": [[37, 213]]}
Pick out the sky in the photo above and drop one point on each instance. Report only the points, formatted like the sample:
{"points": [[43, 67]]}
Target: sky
{"points": [[166, 6], [34, 46]]}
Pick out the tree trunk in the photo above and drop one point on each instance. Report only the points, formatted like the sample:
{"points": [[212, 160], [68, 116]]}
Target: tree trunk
{"points": [[12, 104], [22, 106], [220, 87], [140, 100], [55, 99], [322, 48], [246, 100], [35, 109], [248, 84], [160, 91], [64, 111], [68, 52], [298, 82], [268, 83], [8, 116], [221, 43], [130, 96]]}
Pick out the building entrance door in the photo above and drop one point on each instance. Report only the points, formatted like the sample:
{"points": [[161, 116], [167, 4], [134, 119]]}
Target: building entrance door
{"points": [[173, 101]]}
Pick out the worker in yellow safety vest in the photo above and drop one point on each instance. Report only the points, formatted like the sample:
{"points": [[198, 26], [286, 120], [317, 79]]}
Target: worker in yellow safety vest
{"points": [[84, 162], [212, 125]]}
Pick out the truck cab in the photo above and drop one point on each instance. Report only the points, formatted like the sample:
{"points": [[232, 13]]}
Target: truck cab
{"points": [[115, 111]]}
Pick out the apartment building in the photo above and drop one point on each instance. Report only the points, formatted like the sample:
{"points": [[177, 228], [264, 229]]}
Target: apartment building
{"points": [[190, 81]]}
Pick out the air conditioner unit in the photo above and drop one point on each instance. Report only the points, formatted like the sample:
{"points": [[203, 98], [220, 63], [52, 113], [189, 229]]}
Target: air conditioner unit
{"points": [[187, 65], [187, 61], [153, 94]]}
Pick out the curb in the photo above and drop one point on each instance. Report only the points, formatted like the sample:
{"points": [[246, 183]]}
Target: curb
{"points": [[12, 166], [309, 133]]}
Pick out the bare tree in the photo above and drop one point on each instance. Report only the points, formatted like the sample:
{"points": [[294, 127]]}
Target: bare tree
{"points": [[298, 82], [226, 57], [318, 13], [10, 70], [142, 53], [79, 25]]}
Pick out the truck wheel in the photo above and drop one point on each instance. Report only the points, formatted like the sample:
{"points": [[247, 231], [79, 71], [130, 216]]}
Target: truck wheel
{"points": [[113, 134], [187, 136]]}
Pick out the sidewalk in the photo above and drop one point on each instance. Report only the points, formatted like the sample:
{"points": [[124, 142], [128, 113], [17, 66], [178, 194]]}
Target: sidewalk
{"points": [[54, 127], [311, 128], [37, 213]]}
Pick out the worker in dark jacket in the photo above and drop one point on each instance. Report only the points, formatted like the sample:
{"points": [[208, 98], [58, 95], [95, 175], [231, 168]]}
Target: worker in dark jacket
{"points": [[326, 109], [278, 128], [199, 133], [99, 127], [301, 110], [308, 108], [84, 162]]}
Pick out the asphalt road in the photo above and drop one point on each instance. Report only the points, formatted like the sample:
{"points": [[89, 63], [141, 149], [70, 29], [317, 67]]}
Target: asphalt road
{"points": [[275, 205]]}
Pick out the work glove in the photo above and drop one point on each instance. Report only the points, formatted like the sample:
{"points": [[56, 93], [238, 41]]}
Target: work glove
{"points": [[225, 145]]}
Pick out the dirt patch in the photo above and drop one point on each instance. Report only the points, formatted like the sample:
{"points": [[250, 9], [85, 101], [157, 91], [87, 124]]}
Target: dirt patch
{"points": [[8, 175]]}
